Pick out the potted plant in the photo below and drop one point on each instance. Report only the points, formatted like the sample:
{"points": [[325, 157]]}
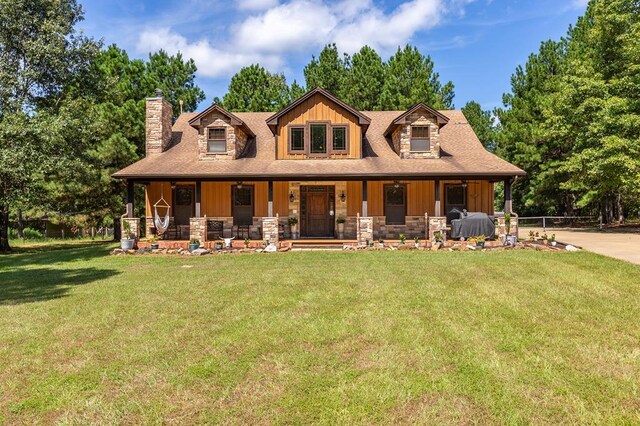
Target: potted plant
{"points": [[194, 244], [293, 225], [366, 243], [439, 237], [545, 239], [154, 243], [532, 236], [416, 242], [507, 224], [479, 240], [128, 239], [340, 221], [218, 245], [380, 242], [553, 240], [402, 239], [246, 243]]}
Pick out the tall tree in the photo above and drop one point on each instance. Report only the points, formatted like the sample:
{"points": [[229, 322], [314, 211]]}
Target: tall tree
{"points": [[410, 79], [255, 89], [482, 122], [328, 71], [364, 80], [40, 51]]}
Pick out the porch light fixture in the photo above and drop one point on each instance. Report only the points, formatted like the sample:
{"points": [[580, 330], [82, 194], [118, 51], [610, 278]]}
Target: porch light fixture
{"points": [[343, 196], [464, 183], [396, 184], [292, 198], [239, 184], [173, 185]]}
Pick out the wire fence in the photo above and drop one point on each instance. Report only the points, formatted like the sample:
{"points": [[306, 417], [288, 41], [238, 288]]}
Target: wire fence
{"points": [[545, 222]]}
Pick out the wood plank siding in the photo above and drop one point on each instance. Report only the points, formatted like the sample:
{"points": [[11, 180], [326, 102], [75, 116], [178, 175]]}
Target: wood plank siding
{"points": [[216, 197], [319, 108]]}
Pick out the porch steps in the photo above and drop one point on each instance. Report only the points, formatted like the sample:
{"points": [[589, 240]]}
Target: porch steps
{"points": [[319, 244]]}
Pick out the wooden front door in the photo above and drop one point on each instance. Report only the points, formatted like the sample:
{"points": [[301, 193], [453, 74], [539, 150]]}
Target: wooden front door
{"points": [[183, 205], [317, 211]]}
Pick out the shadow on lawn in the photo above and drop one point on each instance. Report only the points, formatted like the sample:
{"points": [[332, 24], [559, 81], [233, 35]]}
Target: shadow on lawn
{"points": [[26, 276]]}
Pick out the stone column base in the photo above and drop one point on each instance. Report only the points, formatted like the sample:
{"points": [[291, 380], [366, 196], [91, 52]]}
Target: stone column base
{"points": [[134, 223], [198, 229], [514, 225], [270, 230], [364, 230], [436, 224]]}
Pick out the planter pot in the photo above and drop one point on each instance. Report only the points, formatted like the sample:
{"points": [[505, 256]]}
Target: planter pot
{"points": [[512, 240], [294, 232], [127, 243], [155, 246], [380, 245], [480, 244], [553, 243], [193, 246], [218, 246]]}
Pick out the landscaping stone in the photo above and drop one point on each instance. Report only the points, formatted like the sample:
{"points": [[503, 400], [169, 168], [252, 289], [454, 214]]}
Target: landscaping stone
{"points": [[144, 250], [571, 248], [200, 252]]}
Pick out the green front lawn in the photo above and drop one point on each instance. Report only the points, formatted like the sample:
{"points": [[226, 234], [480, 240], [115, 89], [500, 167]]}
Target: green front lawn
{"points": [[322, 337]]}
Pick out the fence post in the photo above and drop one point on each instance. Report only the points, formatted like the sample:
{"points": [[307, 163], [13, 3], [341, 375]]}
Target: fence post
{"points": [[63, 233], [600, 222], [544, 224]]}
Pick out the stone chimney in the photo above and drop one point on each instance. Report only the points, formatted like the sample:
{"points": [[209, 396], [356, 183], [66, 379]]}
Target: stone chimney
{"points": [[159, 120]]}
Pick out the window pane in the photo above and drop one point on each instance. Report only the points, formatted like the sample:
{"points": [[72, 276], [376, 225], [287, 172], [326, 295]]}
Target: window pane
{"points": [[339, 139], [420, 132], [394, 200], [455, 195], [217, 146], [394, 196], [419, 145], [297, 139], [217, 133], [243, 196], [318, 138], [183, 196]]}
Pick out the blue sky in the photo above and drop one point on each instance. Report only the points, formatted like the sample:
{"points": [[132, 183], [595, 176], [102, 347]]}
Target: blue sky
{"points": [[477, 44]]}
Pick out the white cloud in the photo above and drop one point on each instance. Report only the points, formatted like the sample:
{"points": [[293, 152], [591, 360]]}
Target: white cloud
{"points": [[211, 61], [256, 4], [267, 36]]}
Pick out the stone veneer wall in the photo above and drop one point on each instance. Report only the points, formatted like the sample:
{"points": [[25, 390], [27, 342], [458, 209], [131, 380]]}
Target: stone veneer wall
{"points": [[341, 206], [158, 123], [198, 229], [414, 227], [401, 137], [236, 138], [134, 222]]}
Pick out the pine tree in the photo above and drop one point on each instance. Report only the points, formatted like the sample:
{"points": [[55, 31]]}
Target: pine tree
{"points": [[255, 89], [482, 122], [329, 71], [364, 80]]}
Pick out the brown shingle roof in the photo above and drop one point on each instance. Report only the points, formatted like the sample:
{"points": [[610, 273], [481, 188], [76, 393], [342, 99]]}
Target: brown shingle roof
{"points": [[462, 155]]}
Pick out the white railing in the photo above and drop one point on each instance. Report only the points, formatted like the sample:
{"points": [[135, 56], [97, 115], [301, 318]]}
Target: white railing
{"points": [[560, 221]]}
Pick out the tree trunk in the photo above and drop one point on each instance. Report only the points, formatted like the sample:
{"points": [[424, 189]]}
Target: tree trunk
{"points": [[20, 225], [620, 208], [116, 228], [4, 229]]}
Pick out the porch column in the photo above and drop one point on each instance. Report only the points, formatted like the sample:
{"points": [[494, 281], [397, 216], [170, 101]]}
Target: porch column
{"points": [[130, 198], [270, 204], [364, 198], [507, 195], [198, 198], [437, 212]]}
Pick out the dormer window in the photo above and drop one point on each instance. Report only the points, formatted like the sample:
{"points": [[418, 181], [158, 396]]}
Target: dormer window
{"points": [[216, 139], [296, 139], [420, 139]]}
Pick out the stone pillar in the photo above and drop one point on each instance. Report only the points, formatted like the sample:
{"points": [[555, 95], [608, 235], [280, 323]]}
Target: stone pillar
{"points": [[364, 229], [270, 230], [436, 224], [148, 226], [130, 198], [198, 229], [502, 225], [134, 223]]}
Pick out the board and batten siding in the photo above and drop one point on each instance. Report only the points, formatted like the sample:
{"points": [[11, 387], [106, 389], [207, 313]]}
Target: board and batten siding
{"points": [[319, 108]]}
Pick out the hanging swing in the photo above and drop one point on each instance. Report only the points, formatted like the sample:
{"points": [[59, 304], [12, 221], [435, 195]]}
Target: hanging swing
{"points": [[162, 224]]}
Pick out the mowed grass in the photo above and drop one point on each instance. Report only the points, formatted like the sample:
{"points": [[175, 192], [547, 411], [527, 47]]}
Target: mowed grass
{"points": [[318, 337]]}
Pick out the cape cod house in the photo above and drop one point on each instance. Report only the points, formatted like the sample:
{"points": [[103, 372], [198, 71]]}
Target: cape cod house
{"points": [[318, 160]]}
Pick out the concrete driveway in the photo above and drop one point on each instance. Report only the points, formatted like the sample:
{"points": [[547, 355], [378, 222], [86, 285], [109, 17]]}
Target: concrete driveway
{"points": [[621, 245]]}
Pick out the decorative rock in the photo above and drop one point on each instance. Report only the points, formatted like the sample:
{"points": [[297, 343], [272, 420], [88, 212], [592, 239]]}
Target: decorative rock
{"points": [[271, 248], [117, 251], [569, 247], [200, 252], [144, 250]]}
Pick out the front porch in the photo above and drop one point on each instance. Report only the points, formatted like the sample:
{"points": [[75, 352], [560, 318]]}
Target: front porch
{"points": [[299, 210]]}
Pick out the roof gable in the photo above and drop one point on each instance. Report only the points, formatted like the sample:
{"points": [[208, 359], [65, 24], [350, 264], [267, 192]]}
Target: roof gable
{"points": [[362, 119], [441, 118], [235, 121]]}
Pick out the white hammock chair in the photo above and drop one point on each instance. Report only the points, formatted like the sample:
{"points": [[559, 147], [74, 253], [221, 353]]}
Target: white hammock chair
{"points": [[162, 224]]}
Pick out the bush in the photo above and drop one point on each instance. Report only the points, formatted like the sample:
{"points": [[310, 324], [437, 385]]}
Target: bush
{"points": [[29, 234]]}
